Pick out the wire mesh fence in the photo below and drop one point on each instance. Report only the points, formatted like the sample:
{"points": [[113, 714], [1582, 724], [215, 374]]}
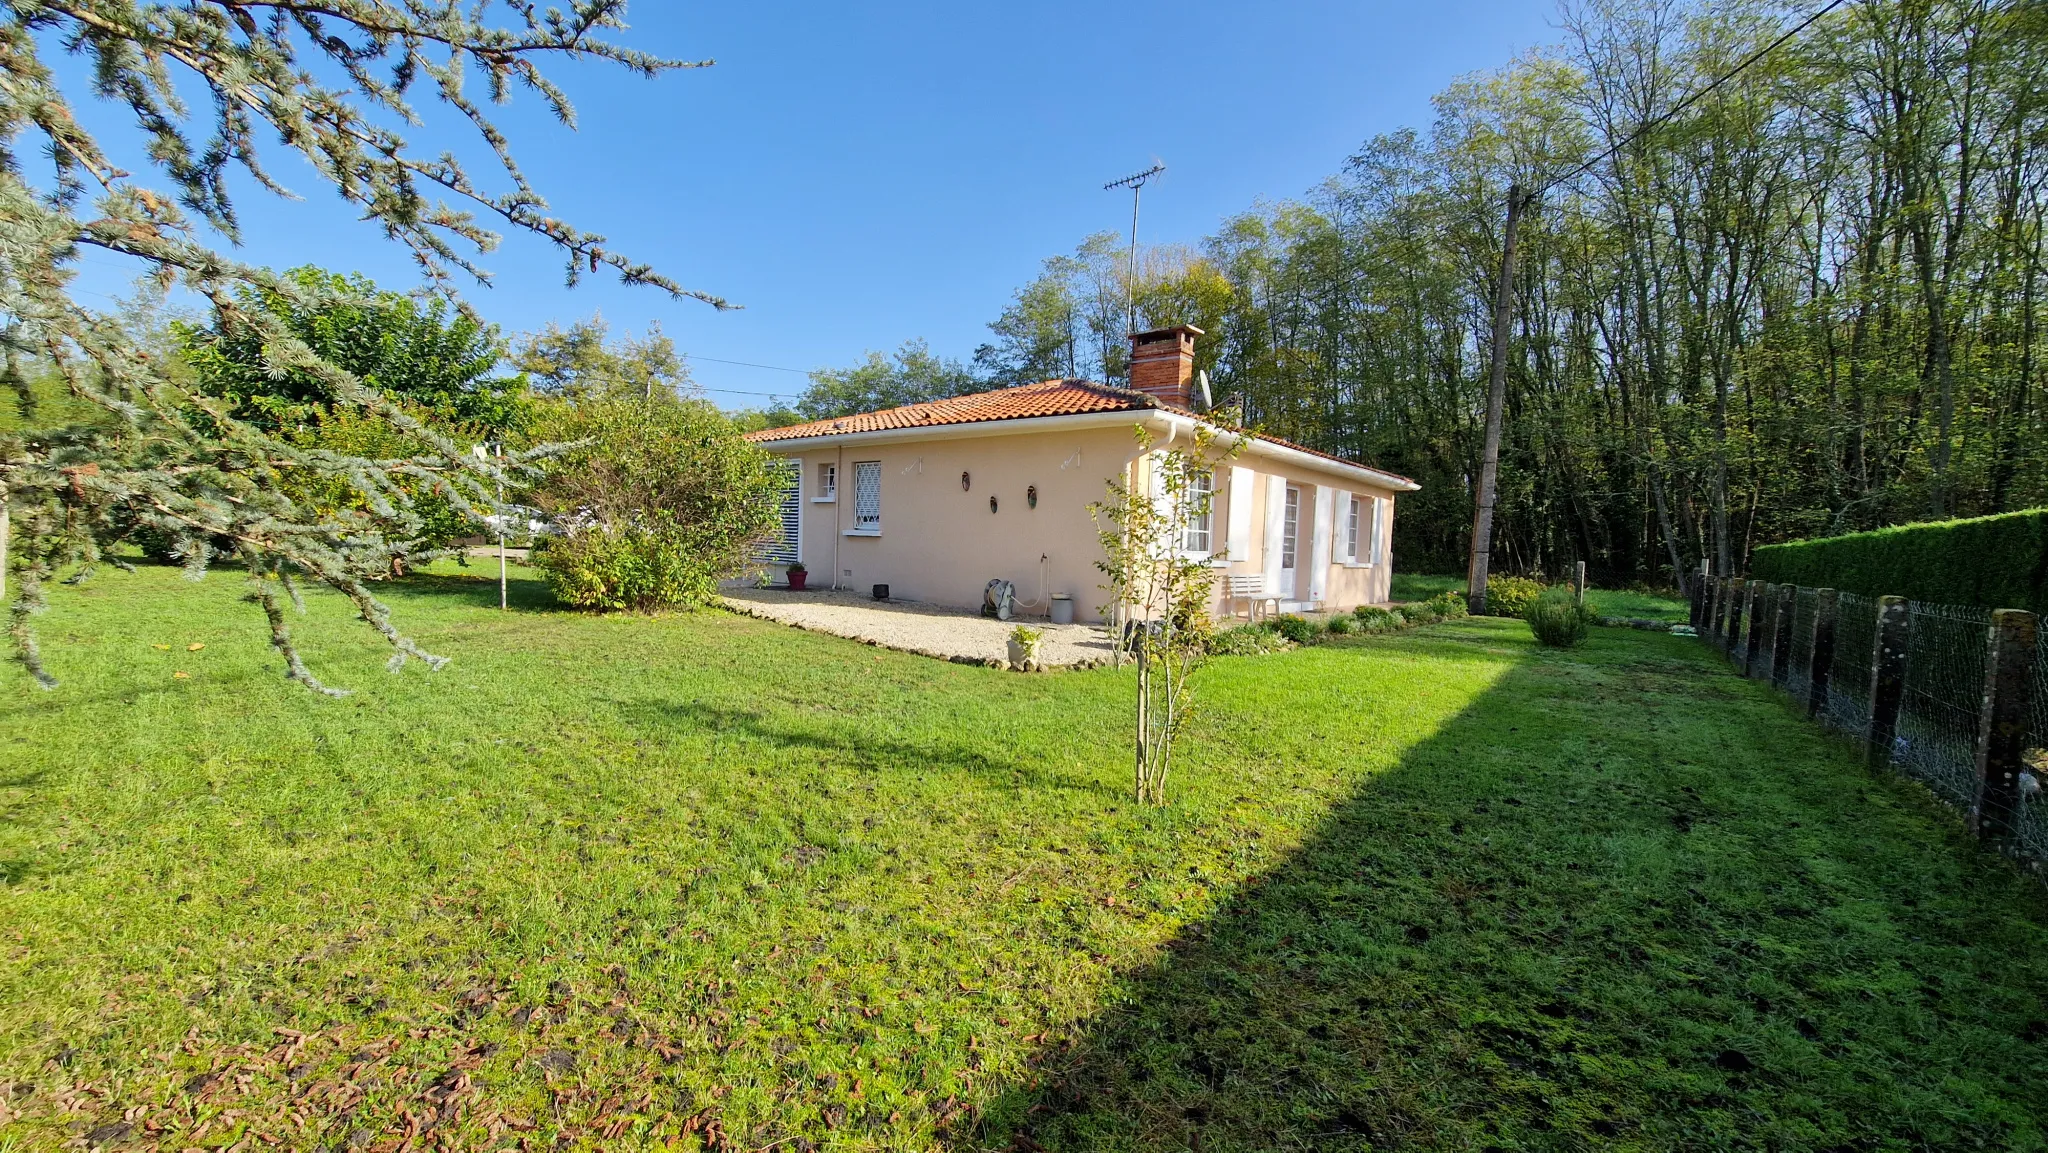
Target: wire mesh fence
{"points": [[2033, 814], [1848, 704], [1937, 739], [1799, 678], [1926, 682]]}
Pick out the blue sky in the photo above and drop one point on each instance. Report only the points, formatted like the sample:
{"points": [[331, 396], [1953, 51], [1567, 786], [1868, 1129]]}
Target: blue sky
{"points": [[858, 175]]}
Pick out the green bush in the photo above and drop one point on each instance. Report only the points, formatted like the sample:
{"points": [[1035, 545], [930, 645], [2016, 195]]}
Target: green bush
{"points": [[1374, 619], [628, 567], [1992, 562], [1342, 625], [1297, 630], [1418, 613], [658, 499], [1508, 596], [1449, 605], [1245, 640], [1557, 620]]}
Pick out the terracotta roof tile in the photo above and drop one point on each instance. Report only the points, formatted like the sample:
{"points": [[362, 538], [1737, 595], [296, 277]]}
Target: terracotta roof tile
{"points": [[1046, 398]]}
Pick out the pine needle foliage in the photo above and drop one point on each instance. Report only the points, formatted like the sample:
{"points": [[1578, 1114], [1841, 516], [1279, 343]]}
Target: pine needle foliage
{"points": [[324, 80]]}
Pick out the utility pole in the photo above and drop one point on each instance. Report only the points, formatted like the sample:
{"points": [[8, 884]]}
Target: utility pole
{"points": [[500, 446], [1134, 182], [1496, 402]]}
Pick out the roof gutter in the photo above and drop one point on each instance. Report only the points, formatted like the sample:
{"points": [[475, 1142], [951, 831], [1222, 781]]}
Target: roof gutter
{"points": [[1260, 446], [1159, 421], [1008, 426]]}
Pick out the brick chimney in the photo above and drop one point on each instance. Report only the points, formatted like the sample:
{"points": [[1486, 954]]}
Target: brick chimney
{"points": [[1163, 363]]}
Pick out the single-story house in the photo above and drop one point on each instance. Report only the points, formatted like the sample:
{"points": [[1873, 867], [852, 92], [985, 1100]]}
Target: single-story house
{"points": [[935, 499]]}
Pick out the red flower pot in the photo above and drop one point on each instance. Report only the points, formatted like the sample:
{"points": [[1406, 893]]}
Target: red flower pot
{"points": [[796, 580]]}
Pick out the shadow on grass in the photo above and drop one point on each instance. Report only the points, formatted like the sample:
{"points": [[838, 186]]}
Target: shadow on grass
{"points": [[1619, 897], [856, 746], [478, 587]]}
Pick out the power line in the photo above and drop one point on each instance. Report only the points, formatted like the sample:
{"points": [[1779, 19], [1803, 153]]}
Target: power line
{"points": [[1689, 101], [745, 363]]}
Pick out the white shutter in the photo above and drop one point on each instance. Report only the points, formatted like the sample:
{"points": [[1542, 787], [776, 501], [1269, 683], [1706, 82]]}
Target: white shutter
{"points": [[1276, 516], [1380, 507], [786, 547], [1319, 544], [1239, 505]]}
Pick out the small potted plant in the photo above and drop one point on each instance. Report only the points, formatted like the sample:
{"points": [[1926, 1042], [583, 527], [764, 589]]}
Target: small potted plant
{"points": [[1024, 642], [797, 575]]}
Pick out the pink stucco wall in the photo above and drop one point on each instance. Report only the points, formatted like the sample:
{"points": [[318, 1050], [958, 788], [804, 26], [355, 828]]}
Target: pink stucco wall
{"points": [[941, 543]]}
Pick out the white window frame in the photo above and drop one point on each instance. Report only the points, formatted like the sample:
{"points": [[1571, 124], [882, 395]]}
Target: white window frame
{"points": [[863, 523], [828, 484], [1351, 528], [1201, 516]]}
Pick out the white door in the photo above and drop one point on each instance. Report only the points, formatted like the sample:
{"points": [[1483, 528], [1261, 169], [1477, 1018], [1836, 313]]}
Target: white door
{"points": [[1290, 535]]}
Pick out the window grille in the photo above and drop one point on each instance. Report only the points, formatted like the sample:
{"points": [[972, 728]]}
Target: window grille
{"points": [[867, 495], [1290, 527], [1196, 535]]}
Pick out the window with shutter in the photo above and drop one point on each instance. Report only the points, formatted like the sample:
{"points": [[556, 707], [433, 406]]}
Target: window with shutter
{"points": [[1197, 533], [1351, 531], [786, 546], [867, 495]]}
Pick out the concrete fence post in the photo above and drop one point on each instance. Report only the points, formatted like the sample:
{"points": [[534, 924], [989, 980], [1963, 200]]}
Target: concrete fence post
{"points": [[2002, 725], [1781, 637], [1822, 662], [1887, 680], [1579, 584], [1760, 603], [1738, 595]]}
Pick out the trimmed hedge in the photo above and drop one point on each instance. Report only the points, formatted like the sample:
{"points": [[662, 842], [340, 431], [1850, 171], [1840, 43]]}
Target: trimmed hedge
{"points": [[1998, 562]]}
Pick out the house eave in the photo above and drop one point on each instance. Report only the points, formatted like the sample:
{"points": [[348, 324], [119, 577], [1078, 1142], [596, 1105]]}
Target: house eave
{"points": [[1158, 421]]}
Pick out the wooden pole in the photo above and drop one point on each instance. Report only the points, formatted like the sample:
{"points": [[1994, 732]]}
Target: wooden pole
{"points": [[501, 533], [1496, 401], [1579, 583], [2002, 724]]}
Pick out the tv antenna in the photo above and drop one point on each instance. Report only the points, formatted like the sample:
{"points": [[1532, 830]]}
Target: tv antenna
{"points": [[1134, 182]]}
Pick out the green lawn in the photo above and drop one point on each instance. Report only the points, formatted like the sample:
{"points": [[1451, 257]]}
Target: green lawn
{"points": [[1610, 602], [607, 881]]}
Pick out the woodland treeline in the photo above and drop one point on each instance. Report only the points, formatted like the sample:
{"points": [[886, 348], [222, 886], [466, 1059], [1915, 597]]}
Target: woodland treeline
{"points": [[1809, 302]]}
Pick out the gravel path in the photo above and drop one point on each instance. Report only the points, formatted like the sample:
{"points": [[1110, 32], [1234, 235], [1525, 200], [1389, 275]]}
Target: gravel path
{"points": [[928, 630]]}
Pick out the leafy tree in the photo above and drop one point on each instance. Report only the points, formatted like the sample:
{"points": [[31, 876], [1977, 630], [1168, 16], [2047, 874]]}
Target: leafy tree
{"points": [[914, 374], [1810, 300], [583, 360], [1159, 595], [656, 500], [323, 81], [440, 363]]}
